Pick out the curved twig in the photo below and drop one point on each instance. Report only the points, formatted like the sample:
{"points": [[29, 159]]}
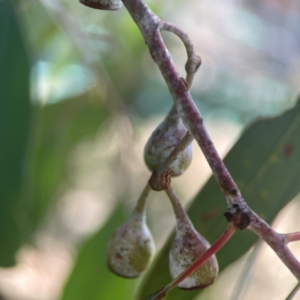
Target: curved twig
{"points": [[192, 65], [194, 61]]}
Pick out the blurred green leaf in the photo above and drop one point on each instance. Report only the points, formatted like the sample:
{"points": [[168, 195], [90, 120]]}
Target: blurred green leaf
{"points": [[59, 128], [14, 125], [40, 28], [91, 278], [265, 162]]}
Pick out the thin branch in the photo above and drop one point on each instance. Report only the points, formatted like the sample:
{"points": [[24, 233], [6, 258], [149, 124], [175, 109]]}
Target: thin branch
{"points": [[139, 208], [194, 61], [292, 237], [276, 241]]}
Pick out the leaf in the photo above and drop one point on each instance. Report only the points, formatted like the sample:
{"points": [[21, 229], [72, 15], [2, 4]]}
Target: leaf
{"points": [[14, 126], [265, 162], [58, 129], [91, 278]]}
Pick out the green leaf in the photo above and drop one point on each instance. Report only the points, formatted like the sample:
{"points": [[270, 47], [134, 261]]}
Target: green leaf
{"points": [[265, 162], [14, 125], [91, 278], [59, 128]]}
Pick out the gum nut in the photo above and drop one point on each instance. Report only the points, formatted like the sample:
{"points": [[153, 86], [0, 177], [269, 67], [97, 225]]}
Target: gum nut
{"points": [[131, 249], [161, 143]]}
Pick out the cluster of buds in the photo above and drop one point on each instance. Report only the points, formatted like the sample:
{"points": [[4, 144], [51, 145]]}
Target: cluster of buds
{"points": [[131, 248]]}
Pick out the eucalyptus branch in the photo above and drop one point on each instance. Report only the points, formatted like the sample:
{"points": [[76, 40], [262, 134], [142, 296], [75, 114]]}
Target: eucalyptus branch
{"points": [[194, 61], [239, 215], [276, 241], [149, 25], [238, 212]]}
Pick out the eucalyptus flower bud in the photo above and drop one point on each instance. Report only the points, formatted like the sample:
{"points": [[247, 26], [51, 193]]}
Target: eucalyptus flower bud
{"points": [[187, 246], [103, 4], [163, 140], [131, 247]]}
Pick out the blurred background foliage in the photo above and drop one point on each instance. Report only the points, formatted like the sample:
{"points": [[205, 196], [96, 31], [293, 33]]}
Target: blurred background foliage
{"points": [[79, 96]]}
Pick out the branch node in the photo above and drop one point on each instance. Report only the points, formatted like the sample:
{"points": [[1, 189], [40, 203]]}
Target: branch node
{"points": [[160, 181], [192, 65], [238, 216]]}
